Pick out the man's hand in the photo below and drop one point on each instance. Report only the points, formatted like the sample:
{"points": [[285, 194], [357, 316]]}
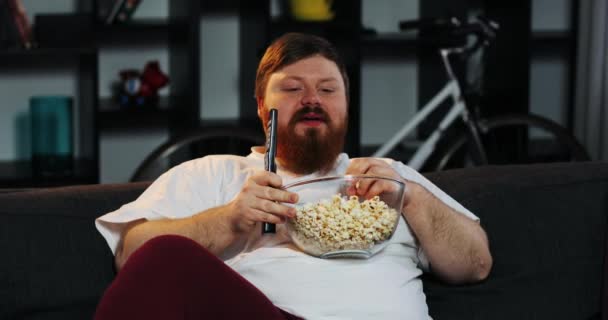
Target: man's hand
{"points": [[260, 200], [221, 228], [368, 188]]}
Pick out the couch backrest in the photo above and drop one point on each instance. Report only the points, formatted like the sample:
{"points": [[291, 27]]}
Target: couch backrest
{"points": [[55, 265], [546, 226]]}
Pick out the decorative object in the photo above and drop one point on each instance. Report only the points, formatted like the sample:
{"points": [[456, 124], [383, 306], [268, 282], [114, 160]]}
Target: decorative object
{"points": [[311, 10], [141, 89], [15, 28], [51, 134]]}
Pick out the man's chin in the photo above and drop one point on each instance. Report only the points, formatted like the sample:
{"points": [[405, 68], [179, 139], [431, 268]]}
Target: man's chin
{"points": [[303, 130]]}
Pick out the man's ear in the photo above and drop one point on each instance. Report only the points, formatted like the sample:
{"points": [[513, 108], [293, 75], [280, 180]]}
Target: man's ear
{"points": [[260, 102]]}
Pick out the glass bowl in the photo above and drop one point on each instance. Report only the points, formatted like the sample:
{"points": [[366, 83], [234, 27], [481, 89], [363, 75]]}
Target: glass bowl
{"points": [[334, 222]]}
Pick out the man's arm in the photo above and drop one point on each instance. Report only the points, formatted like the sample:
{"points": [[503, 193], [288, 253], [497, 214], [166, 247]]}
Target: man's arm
{"points": [[455, 245], [209, 228], [219, 228]]}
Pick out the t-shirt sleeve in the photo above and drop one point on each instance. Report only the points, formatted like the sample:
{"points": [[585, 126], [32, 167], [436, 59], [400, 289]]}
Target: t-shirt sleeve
{"points": [[414, 176], [173, 195]]}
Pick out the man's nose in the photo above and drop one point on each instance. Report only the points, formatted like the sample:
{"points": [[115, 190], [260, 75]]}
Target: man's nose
{"points": [[311, 97]]}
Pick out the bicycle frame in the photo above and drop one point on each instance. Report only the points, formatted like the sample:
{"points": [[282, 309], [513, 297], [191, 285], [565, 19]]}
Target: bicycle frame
{"points": [[450, 90]]}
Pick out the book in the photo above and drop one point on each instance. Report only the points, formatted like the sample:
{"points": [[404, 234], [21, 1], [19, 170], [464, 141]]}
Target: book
{"points": [[16, 29], [23, 24], [122, 11], [9, 35], [104, 7]]}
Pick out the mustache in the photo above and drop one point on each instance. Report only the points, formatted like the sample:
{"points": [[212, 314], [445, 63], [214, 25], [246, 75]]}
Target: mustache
{"points": [[301, 114]]}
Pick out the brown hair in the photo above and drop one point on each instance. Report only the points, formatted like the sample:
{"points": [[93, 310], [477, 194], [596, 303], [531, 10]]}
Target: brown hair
{"points": [[293, 47]]}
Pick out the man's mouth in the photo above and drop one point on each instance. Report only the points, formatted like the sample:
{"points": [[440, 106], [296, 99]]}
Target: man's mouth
{"points": [[312, 119]]}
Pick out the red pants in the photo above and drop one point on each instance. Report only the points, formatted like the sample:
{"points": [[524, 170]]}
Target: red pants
{"points": [[172, 277]]}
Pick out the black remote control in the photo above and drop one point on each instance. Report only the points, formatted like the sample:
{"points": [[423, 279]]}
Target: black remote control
{"points": [[269, 163]]}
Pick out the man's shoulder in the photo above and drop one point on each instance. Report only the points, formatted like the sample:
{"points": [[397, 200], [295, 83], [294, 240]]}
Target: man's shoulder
{"points": [[219, 162], [387, 160]]}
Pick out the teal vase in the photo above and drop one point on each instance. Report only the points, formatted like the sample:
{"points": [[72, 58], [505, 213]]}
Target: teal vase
{"points": [[52, 138]]}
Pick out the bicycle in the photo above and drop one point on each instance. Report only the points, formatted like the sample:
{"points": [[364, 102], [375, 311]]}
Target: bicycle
{"points": [[477, 141]]}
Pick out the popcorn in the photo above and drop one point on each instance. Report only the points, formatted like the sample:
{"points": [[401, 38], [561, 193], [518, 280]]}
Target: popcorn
{"points": [[343, 223]]}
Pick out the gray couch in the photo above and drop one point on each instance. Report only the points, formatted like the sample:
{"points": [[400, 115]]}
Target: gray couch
{"points": [[546, 225]]}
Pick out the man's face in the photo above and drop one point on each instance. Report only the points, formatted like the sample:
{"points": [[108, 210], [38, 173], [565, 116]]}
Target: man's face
{"points": [[311, 102]]}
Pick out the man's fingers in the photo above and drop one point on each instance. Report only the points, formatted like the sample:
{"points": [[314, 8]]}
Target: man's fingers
{"points": [[274, 194], [359, 166], [370, 187], [378, 188], [266, 185], [262, 216], [362, 186], [276, 208], [266, 178], [370, 166]]}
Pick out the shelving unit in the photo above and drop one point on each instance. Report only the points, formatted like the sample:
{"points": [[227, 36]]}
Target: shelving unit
{"points": [[82, 60], [177, 112]]}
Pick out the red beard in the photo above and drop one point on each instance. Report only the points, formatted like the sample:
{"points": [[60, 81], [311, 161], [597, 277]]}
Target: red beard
{"points": [[314, 151]]}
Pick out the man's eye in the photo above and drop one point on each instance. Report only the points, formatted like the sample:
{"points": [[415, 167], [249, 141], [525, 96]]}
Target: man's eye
{"points": [[291, 89]]}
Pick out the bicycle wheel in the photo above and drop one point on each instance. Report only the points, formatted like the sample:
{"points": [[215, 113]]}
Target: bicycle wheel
{"points": [[511, 139], [220, 140]]}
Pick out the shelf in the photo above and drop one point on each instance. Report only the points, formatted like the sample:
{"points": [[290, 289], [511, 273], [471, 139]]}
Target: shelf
{"points": [[149, 29], [282, 25], [19, 174], [404, 44], [389, 45], [111, 116], [133, 118], [225, 6], [141, 25], [398, 44], [45, 52], [552, 41], [551, 35]]}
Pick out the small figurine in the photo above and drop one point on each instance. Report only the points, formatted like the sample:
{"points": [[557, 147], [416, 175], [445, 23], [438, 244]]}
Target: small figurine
{"points": [[141, 89]]}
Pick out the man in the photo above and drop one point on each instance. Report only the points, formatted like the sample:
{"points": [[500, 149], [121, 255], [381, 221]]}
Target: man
{"points": [[213, 207]]}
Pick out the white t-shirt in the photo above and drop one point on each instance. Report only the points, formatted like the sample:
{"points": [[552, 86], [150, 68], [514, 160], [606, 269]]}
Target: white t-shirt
{"points": [[385, 286]]}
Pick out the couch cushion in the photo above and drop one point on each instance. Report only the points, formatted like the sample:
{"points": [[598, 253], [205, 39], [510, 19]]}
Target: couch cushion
{"points": [[546, 226], [55, 265]]}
